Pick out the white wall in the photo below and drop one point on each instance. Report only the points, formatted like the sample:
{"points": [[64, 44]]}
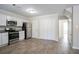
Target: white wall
{"points": [[68, 12], [69, 9], [76, 27], [45, 27]]}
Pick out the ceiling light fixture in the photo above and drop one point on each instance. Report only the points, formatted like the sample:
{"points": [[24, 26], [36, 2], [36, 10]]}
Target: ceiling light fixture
{"points": [[31, 10]]}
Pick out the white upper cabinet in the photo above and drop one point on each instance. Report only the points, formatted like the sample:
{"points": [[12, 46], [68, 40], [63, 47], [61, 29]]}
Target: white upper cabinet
{"points": [[2, 20], [10, 18], [19, 22]]}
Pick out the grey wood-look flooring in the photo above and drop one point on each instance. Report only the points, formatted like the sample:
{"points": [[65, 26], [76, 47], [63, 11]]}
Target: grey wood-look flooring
{"points": [[38, 46]]}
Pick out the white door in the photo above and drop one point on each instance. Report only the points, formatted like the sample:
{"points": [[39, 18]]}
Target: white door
{"points": [[47, 29], [4, 38], [43, 28], [35, 28]]}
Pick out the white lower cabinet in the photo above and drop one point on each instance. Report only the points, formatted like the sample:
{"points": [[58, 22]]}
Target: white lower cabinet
{"points": [[3, 39], [21, 35]]}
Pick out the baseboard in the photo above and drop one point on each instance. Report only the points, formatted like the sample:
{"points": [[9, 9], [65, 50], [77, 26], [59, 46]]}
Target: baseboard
{"points": [[4, 45], [43, 39], [29, 37], [75, 48]]}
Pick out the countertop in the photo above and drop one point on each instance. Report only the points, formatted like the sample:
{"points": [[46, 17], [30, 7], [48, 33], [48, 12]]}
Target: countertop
{"points": [[2, 31], [7, 31]]}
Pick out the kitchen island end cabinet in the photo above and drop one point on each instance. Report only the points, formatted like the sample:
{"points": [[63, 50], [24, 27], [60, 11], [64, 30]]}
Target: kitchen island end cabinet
{"points": [[3, 39]]}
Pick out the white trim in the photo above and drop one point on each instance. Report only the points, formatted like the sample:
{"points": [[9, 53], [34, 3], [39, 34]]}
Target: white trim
{"points": [[4, 45], [75, 47], [43, 39]]}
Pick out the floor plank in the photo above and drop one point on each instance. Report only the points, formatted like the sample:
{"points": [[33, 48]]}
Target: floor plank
{"points": [[38, 46]]}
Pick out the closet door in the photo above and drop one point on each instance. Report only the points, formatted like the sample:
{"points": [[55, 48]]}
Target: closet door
{"points": [[48, 28], [43, 28], [46, 31], [35, 28]]}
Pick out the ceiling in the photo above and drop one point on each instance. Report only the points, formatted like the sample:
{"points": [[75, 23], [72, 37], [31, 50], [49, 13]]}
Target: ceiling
{"points": [[42, 9]]}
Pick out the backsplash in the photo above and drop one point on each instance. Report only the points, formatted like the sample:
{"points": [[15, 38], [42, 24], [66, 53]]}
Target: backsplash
{"points": [[15, 28], [18, 29]]}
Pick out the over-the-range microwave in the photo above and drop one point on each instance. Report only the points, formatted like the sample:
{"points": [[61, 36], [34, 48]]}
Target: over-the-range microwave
{"points": [[11, 23]]}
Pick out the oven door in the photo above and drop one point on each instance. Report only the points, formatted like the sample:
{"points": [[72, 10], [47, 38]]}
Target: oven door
{"points": [[13, 36]]}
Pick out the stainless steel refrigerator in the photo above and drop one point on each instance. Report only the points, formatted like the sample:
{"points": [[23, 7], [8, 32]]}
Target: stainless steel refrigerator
{"points": [[27, 28]]}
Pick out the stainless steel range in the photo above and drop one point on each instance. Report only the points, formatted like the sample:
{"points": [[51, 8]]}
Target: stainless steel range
{"points": [[13, 35]]}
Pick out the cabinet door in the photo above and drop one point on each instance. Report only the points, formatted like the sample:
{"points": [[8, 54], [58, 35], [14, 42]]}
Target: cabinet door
{"points": [[35, 28], [4, 38], [8, 18], [0, 40], [2, 20], [21, 35], [19, 22]]}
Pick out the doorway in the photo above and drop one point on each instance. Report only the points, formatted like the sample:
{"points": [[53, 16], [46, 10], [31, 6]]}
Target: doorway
{"points": [[64, 32]]}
